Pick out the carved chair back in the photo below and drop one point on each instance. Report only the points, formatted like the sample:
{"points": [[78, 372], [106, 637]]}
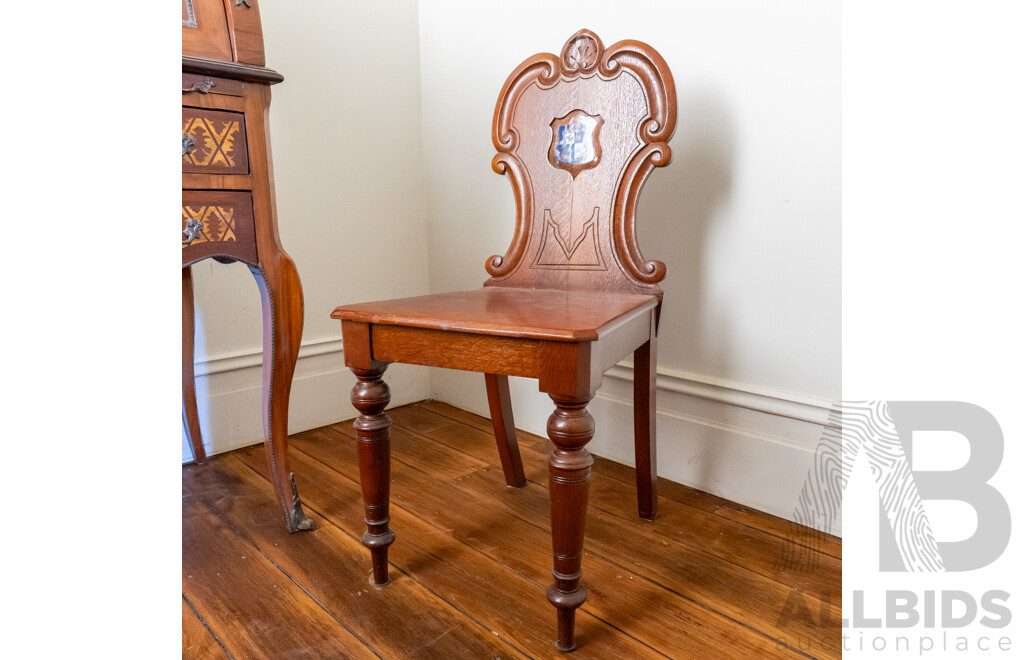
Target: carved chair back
{"points": [[577, 135]]}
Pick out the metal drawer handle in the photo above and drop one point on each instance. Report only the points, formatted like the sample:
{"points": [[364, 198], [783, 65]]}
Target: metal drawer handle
{"points": [[202, 86], [191, 231], [188, 144]]}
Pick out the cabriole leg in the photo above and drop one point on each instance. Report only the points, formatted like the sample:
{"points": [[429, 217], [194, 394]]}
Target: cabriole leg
{"points": [[281, 293], [189, 409]]}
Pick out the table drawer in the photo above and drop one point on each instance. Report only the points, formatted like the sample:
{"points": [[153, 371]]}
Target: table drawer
{"points": [[213, 142], [217, 223], [198, 83]]}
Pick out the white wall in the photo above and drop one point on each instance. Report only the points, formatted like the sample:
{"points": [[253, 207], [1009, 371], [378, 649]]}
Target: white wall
{"points": [[370, 170], [747, 219], [347, 156]]}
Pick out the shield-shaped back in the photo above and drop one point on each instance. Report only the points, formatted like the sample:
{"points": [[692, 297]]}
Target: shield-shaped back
{"points": [[577, 134]]}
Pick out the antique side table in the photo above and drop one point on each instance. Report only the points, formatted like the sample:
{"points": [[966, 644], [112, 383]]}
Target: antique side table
{"points": [[228, 211]]}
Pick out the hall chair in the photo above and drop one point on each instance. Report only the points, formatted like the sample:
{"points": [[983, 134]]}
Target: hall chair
{"points": [[577, 135]]}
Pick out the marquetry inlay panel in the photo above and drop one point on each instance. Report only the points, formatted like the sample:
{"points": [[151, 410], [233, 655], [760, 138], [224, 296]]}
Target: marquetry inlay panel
{"points": [[217, 223], [220, 144]]}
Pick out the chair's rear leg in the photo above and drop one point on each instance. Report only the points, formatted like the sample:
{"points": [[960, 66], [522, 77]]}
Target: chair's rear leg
{"points": [[500, 402], [645, 362]]}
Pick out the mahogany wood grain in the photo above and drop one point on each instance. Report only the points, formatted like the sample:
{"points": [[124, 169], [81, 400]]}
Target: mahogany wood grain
{"points": [[356, 344], [209, 36], [577, 135], [238, 185], [281, 295], [213, 101], [246, 32], [552, 314], [228, 30], [370, 396], [645, 415], [222, 182], [460, 350], [189, 409], [570, 428], [499, 399], [235, 70]]}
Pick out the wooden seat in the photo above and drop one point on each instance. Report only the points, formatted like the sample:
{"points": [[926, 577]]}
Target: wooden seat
{"points": [[577, 135]]}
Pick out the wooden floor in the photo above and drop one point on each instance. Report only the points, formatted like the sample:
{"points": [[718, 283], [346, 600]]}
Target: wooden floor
{"points": [[469, 569]]}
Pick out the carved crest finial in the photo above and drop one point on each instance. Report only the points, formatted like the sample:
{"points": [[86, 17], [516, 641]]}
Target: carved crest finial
{"points": [[582, 51]]}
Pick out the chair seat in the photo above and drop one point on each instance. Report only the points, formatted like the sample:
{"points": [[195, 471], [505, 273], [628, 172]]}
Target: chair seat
{"points": [[554, 315]]}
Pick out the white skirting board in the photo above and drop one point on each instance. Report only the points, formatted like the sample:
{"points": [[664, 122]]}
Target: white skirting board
{"points": [[229, 390]]}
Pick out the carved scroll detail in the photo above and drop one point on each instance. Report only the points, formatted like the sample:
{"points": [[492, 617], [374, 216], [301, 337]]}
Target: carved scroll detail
{"points": [[584, 56], [653, 73], [512, 167], [627, 252]]}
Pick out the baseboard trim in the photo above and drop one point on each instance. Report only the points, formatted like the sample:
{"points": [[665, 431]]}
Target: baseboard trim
{"points": [[246, 359], [761, 399], [229, 390], [761, 435]]}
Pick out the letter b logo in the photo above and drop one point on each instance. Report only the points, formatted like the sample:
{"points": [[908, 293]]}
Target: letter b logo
{"points": [[966, 484]]}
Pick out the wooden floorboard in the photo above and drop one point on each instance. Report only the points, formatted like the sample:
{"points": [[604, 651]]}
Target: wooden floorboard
{"points": [[252, 607], [472, 560], [331, 566], [824, 543], [751, 546], [481, 523], [197, 641]]}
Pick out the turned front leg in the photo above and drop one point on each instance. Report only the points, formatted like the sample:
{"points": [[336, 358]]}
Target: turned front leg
{"points": [[570, 428], [370, 396]]}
